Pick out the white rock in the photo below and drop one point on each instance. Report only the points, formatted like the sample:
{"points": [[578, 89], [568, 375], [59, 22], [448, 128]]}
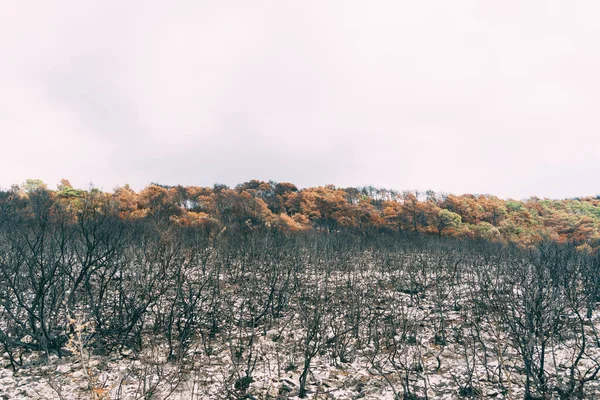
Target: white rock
{"points": [[63, 369], [78, 374]]}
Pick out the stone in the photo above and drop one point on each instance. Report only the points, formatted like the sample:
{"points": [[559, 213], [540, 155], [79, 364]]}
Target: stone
{"points": [[63, 369]]}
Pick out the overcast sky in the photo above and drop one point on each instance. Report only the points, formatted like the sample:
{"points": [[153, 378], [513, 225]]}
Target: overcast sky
{"points": [[498, 97]]}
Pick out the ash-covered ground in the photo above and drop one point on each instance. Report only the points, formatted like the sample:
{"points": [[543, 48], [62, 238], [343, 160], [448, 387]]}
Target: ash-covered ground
{"points": [[315, 315]]}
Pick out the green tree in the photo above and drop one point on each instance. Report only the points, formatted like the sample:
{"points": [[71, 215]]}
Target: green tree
{"points": [[446, 219]]}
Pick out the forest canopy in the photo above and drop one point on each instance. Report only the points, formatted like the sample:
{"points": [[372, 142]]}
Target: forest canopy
{"points": [[258, 205]]}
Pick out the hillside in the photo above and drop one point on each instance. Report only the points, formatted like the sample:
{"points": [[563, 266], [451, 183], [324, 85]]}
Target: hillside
{"points": [[269, 292], [271, 205]]}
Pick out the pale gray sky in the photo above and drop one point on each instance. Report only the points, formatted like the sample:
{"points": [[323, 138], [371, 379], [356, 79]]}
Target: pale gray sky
{"points": [[495, 97]]}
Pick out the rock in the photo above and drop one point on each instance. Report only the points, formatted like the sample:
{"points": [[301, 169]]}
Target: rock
{"points": [[94, 363], [336, 384], [5, 382], [6, 373], [63, 369], [78, 374], [273, 333]]}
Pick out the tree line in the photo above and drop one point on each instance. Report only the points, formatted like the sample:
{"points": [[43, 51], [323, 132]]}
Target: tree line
{"points": [[258, 204]]}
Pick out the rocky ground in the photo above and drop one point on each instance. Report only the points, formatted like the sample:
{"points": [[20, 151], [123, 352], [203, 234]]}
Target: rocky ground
{"points": [[276, 374]]}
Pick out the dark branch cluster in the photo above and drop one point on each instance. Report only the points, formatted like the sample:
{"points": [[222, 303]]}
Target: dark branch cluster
{"points": [[409, 308]]}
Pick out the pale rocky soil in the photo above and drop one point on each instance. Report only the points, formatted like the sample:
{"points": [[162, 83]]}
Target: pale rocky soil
{"points": [[149, 376], [210, 374]]}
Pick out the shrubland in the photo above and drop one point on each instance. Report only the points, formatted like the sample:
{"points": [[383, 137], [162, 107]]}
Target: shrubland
{"points": [[218, 293]]}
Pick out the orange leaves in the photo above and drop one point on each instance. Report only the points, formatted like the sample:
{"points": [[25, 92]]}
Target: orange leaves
{"points": [[101, 393], [292, 224], [258, 204], [127, 202]]}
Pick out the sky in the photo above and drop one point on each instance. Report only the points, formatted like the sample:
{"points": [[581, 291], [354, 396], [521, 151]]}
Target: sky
{"points": [[490, 97]]}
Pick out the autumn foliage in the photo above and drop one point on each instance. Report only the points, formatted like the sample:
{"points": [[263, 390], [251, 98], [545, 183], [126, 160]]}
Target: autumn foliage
{"points": [[269, 205]]}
